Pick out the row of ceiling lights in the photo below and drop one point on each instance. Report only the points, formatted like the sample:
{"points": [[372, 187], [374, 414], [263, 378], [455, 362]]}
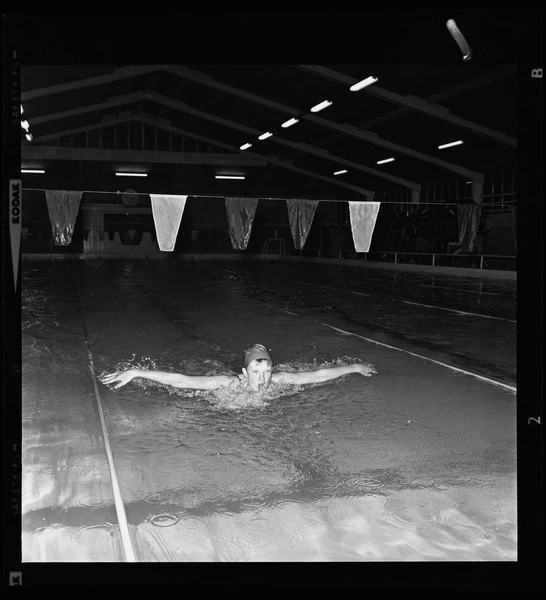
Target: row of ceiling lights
{"points": [[120, 174], [325, 104], [292, 121], [315, 109], [26, 126], [387, 160]]}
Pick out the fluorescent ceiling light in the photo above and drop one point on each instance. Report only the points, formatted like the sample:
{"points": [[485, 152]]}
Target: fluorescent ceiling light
{"points": [[265, 135], [22, 109], [132, 174], [340, 172], [32, 171], [25, 125], [362, 84], [457, 143], [245, 146], [290, 122], [229, 176], [380, 162], [320, 106], [29, 137]]}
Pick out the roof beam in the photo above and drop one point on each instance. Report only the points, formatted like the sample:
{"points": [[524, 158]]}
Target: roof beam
{"points": [[163, 124], [364, 135], [128, 116], [144, 156], [66, 114], [414, 103], [123, 118], [184, 107], [121, 73], [271, 159], [432, 98], [451, 92], [288, 165]]}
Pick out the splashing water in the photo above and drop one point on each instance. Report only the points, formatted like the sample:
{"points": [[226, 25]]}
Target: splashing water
{"points": [[235, 396], [296, 365]]}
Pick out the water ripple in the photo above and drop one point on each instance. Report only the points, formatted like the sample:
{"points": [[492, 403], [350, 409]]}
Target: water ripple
{"points": [[398, 521], [164, 520]]}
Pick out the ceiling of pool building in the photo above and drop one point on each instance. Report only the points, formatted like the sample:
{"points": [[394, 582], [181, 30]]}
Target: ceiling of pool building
{"points": [[266, 128]]}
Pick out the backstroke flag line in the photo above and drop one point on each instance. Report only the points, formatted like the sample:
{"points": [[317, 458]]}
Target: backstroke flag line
{"points": [[363, 218], [167, 212], [300, 215], [240, 212], [63, 207]]}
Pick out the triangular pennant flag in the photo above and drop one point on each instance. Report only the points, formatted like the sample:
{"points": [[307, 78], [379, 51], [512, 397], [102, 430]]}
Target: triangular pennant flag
{"points": [[300, 215], [240, 212], [468, 217], [63, 206], [167, 212], [363, 218]]}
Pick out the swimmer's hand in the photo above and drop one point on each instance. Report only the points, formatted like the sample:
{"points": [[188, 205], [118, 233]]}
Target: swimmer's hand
{"points": [[366, 370], [123, 377]]}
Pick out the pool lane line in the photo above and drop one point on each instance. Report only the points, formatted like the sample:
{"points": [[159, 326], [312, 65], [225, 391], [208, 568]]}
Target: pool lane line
{"points": [[120, 509], [329, 287], [277, 308], [437, 362], [498, 383], [460, 312], [445, 287]]}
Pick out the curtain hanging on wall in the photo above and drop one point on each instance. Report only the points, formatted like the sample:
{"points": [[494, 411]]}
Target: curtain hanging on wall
{"points": [[300, 215], [167, 212], [363, 218], [469, 219], [63, 207], [240, 212]]}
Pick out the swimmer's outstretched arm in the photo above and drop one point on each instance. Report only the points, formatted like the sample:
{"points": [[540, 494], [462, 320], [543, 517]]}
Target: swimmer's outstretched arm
{"points": [[178, 380], [321, 375]]}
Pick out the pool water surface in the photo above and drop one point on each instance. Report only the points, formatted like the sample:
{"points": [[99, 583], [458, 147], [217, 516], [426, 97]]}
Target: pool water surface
{"points": [[416, 463]]}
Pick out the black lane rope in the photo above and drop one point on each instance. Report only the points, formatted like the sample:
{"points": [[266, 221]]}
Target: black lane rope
{"points": [[126, 541]]}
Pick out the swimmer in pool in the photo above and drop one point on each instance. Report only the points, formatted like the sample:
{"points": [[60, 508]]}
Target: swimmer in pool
{"points": [[256, 374]]}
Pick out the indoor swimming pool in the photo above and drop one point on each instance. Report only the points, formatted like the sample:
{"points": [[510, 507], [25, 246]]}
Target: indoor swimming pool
{"points": [[416, 463]]}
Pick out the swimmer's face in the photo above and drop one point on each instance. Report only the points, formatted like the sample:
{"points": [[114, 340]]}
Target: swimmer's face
{"points": [[258, 375]]}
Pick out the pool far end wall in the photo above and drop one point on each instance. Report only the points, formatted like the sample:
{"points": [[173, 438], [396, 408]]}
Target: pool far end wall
{"points": [[366, 264]]}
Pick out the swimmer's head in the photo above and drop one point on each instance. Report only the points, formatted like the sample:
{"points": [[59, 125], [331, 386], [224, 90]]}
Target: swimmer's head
{"points": [[257, 352], [257, 369]]}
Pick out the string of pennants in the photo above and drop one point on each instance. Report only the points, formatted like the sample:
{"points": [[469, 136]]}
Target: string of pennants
{"points": [[63, 207]]}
